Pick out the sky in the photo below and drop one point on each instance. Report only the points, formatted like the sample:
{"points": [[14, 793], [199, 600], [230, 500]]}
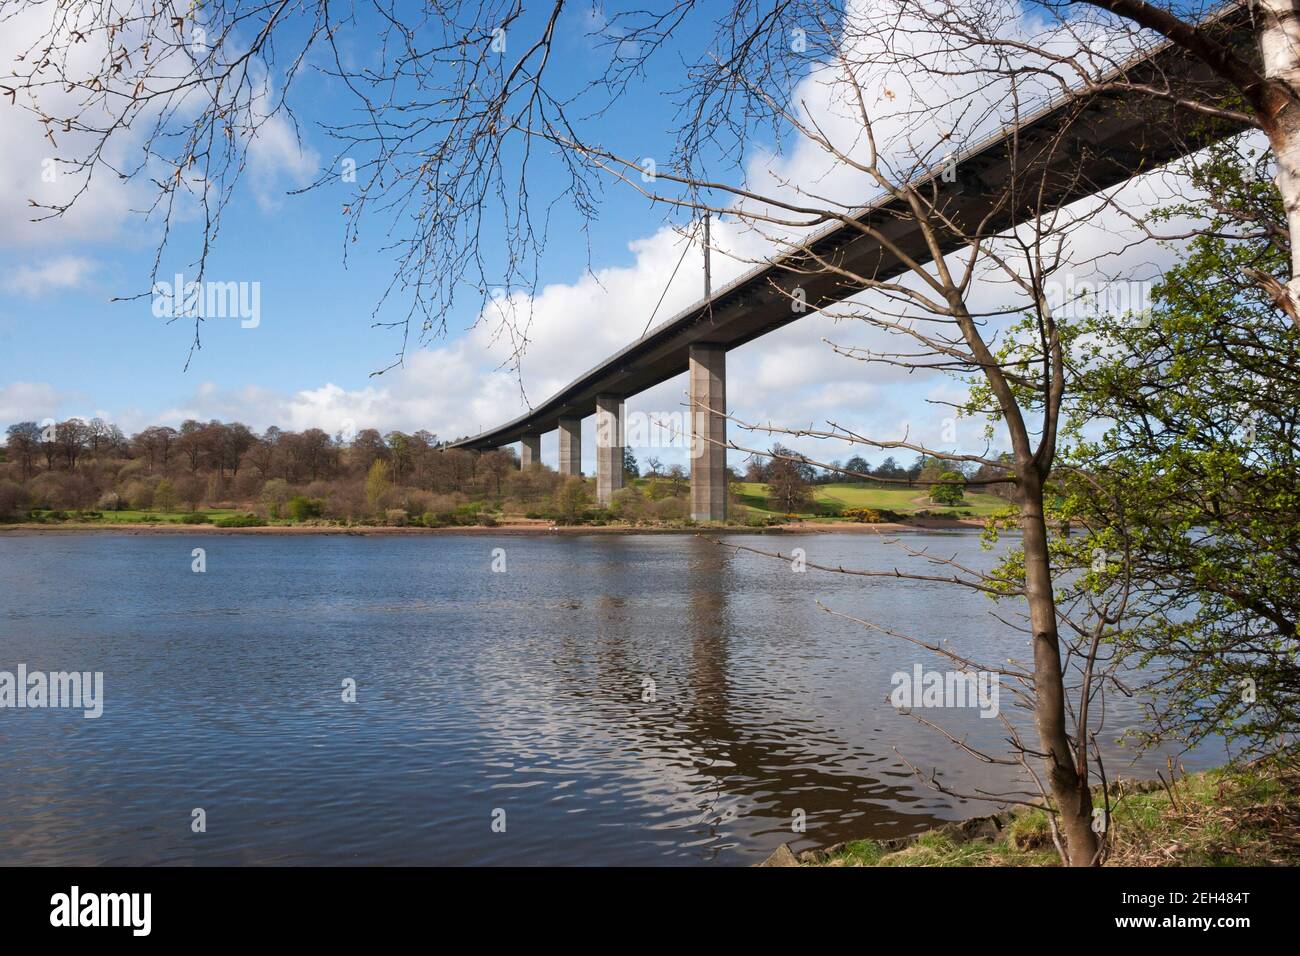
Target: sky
{"points": [[67, 349]]}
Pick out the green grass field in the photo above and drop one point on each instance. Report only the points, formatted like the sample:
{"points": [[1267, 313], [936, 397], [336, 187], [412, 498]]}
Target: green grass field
{"points": [[136, 517], [831, 500], [840, 496]]}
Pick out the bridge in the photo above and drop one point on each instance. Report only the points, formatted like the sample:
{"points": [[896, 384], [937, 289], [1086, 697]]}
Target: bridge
{"points": [[1072, 148]]}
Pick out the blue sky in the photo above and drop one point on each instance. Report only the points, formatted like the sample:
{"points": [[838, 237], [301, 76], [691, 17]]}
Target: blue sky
{"points": [[317, 315], [66, 349]]}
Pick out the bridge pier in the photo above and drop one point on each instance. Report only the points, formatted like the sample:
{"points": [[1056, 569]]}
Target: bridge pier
{"points": [[609, 446], [708, 406], [571, 446], [530, 451]]}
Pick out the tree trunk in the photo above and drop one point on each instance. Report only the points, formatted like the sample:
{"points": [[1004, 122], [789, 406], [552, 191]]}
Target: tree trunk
{"points": [[1069, 784], [1278, 30]]}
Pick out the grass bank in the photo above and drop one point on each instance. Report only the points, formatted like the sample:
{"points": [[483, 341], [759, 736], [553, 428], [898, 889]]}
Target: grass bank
{"points": [[843, 506], [837, 497], [1243, 816]]}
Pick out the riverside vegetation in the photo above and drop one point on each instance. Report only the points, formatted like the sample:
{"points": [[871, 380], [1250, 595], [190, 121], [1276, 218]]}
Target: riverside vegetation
{"points": [[1247, 815], [225, 475]]}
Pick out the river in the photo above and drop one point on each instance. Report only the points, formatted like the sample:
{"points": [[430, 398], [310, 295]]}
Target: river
{"points": [[598, 699]]}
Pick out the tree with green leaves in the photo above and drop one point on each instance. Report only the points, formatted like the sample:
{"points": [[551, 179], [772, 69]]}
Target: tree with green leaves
{"points": [[572, 499], [1185, 473], [377, 483], [949, 489], [164, 496]]}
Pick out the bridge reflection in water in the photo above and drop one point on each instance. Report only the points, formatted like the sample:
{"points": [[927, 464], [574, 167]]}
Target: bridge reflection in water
{"points": [[477, 691]]}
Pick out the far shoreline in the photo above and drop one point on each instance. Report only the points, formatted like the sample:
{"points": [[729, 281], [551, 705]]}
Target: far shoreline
{"points": [[511, 528]]}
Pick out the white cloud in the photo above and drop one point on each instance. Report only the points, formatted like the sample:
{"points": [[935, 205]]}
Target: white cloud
{"points": [[442, 390], [36, 163], [277, 160], [29, 401], [53, 275], [32, 162]]}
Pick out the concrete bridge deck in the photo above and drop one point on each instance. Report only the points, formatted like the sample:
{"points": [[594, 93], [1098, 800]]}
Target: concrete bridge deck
{"points": [[1068, 150]]}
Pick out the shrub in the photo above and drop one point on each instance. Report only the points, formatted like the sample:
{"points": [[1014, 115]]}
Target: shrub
{"points": [[871, 515], [670, 509], [417, 502], [54, 490], [12, 499], [164, 496], [302, 508], [346, 501], [395, 517], [628, 504], [246, 520], [275, 494], [195, 517], [319, 489], [140, 495], [657, 489], [571, 500]]}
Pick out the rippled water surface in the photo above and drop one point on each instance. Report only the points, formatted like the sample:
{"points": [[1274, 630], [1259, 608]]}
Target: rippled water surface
{"points": [[477, 692]]}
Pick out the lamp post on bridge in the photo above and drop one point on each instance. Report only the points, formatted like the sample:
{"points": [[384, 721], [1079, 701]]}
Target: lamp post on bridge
{"points": [[708, 276]]}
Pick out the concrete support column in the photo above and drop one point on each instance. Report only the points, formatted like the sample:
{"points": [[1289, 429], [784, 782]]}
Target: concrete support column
{"points": [[530, 451], [708, 405], [609, 446], [571, 446]]}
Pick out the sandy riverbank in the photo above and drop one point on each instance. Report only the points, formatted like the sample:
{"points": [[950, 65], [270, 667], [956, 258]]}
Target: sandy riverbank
{"points": [[522, 527]]}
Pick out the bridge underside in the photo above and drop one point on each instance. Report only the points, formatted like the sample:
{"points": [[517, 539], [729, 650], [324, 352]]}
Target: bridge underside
{"points": [[1063, 154]]}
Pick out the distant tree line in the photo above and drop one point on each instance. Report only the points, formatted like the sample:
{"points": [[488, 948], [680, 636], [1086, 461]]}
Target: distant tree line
{"points": [[790, 479], [80, 465], [370, 477]]}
